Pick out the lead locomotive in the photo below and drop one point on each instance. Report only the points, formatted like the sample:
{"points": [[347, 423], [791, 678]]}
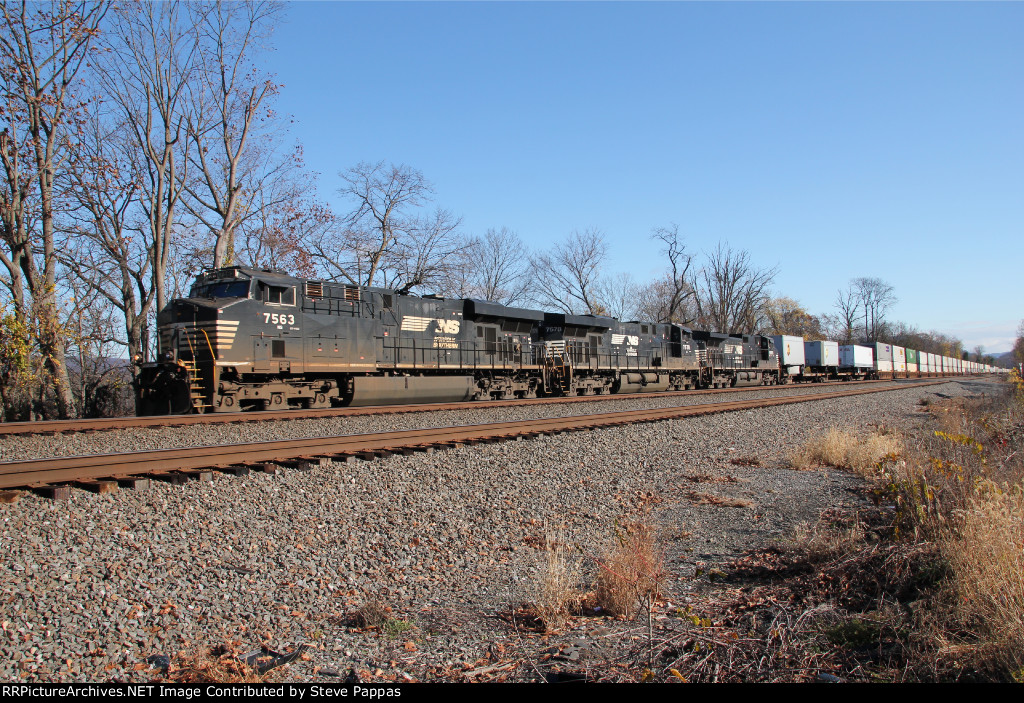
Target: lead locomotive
{"points": [[248, 339]]}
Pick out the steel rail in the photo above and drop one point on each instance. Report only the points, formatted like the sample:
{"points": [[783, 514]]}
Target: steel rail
{"points": [[37, 472], [116, 423]]}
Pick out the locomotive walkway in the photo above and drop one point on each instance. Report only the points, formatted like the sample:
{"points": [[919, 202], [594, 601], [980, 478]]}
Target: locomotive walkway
{"points": [[105, 472]]}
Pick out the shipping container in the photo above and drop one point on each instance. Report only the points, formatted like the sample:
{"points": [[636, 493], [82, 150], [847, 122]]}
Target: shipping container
{"points": [[899, 359], [854, 356], [821, 353], [883, 357], [791, 352]]}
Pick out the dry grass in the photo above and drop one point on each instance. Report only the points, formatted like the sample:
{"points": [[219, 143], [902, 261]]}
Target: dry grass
{"points": [[985, 553], [710, 478], [927, 586], [699, 498], [631, 570], [558, 593], [845, 450], [961, 487], [218, 665], [371, 614]]}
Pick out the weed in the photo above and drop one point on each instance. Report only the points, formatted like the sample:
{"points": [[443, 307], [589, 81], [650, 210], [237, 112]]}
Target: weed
{"points": [[719, 501], [985, 553], [557, 593], [219, 664], [845, 450], [961, 487], [630, 575], [855, 632], [371, 614], [709, 478], [631, 569], [393, 627]]}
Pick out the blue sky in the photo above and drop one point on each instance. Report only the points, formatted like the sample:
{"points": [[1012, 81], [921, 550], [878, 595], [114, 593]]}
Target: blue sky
{"points": [[835, 140]]}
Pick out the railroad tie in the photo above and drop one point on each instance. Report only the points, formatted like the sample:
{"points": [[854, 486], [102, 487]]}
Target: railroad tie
{"points": [[182, 476], [266, 467], [100, 486], [52, 491], [233, 469], [303, 463], [135, 483]]}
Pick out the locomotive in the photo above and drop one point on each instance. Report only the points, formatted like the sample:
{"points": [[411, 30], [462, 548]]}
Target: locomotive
{"points": [[260, 339]]}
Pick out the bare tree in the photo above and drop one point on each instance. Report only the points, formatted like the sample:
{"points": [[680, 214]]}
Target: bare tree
{"points": [[151, 57], [388, 239], [619, 296], [494, 267], [99, 380], [729, 290], [233, 153], [105, 249], [386, 201], [1018, 345], [427, 254], [875, 297], [283, 220], [675, 286], [279, 233], [670, 297], [43, 47], [847, 303], [654, 302], [567, 276]]}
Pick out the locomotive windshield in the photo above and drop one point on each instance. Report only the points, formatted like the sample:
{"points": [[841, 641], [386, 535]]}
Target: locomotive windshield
{"points": [[221, 289]]}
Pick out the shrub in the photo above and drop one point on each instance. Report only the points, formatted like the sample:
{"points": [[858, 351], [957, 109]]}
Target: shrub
{"points": [[557, 593], [370, 615], [985, 553], [631, 570], [221, 664]]}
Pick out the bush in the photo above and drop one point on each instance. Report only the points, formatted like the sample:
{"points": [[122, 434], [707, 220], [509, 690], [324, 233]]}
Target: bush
{"points": [[961, 486], [557, 593], [985, 553], [631, 570]]}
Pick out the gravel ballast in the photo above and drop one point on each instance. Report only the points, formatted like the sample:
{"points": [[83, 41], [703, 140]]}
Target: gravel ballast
{"points": [[447, 541], [23, 447]]}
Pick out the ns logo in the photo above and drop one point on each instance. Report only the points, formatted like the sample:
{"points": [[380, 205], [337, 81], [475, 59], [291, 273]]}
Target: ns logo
{"points": [[420, 324], [447, 326]]}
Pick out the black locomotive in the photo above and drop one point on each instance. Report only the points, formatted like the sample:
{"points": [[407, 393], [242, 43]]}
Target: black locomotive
{"points": [[248, 339]]}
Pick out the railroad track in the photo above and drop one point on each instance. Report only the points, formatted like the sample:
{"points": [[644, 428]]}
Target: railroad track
{"points": [[53, 427], [105, 472]]}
